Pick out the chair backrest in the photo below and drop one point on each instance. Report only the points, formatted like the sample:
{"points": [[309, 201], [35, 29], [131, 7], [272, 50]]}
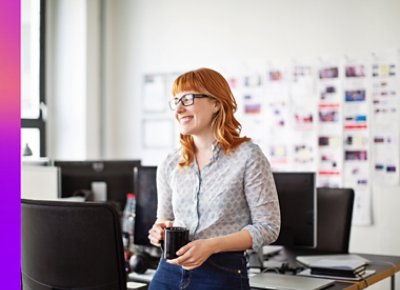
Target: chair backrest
{"points": [[71, 245], [335, 210]]}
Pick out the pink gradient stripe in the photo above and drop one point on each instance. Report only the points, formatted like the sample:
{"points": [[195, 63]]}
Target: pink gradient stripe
{"points": [[10, 144]]}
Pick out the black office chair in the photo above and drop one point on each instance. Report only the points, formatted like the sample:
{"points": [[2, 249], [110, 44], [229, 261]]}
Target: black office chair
{"points": [[334, 211], [71, 245]]}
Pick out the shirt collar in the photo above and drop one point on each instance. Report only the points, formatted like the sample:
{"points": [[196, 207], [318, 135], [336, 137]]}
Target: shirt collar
{"points": [[215, 151], [215, 154]]}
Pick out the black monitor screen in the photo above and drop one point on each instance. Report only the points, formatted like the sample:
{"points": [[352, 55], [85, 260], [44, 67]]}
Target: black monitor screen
{"points": [[297, 201], [108, 180], [146, 203]]}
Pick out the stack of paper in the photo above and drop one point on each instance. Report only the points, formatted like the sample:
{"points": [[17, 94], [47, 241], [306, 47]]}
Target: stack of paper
{"points": [[345, 267], [330, 267]]}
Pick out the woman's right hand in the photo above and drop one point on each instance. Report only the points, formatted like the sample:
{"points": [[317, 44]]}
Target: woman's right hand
{"points": [[156, 233]]}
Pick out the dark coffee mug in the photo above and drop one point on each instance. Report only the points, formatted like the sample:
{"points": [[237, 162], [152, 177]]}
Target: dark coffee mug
{"points": [[174, 239]]}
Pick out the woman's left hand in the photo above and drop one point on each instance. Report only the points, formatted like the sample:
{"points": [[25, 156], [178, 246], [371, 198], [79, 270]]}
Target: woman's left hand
{"points": [[193, 254]]}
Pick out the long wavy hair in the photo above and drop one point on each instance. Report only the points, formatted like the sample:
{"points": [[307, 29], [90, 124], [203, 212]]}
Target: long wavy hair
{"points": [[225, 126]]}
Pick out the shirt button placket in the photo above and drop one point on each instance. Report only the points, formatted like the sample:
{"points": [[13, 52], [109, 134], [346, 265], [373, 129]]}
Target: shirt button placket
{"points": [[196, 199]]}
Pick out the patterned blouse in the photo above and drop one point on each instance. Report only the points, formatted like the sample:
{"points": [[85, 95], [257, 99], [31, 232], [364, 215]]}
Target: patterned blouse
{"points": [[234, 191]]}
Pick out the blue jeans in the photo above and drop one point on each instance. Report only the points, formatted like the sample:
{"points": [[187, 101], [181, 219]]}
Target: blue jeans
{"points": [[223, 271]]}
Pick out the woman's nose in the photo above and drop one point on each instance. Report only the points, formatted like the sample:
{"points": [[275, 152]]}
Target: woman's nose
{"points": [[179, 107]]}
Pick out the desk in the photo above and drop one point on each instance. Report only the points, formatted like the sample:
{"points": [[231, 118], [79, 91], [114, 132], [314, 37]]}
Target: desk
{"points": [[385, 267]]}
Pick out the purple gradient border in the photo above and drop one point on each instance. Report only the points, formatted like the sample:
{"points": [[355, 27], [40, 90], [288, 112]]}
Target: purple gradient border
{"points": [[10, 144]]}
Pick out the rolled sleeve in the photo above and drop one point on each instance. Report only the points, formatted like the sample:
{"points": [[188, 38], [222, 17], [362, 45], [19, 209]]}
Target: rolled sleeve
{"points": [[262, 198]]}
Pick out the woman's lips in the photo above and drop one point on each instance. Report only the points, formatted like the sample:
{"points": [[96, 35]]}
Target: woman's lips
{"points": [[186, 119]]}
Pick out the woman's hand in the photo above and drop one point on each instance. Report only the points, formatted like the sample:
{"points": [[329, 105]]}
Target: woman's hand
{"points": [[193, 254], [156, 233]]}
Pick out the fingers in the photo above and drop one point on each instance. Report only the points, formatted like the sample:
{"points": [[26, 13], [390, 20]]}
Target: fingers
{"points": [[177, 261], [187, 263], [186, 258], [191, 267], [182, 260], [154, 241], [156, 233], [183, 250]]}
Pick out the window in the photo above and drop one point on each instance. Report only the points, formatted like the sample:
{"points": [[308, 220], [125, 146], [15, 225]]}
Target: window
{"points": [[33, 105]]}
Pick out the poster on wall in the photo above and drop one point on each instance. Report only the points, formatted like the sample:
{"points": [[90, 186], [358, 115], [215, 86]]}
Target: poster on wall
{"points": [[277, 114], [357, 178], [329, 92], [248, 90], [303, 114], [356, 132], [386, 117]]}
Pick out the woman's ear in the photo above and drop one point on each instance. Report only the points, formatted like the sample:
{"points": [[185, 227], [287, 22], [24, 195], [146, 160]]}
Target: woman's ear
{"points": [[216, 107]]}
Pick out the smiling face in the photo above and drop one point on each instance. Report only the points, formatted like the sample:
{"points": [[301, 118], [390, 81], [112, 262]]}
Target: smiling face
{"points": [[196, 119], [207, 120]]}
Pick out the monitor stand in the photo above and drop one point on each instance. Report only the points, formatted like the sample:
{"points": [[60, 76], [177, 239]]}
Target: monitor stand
{"points": [[257, 261]]}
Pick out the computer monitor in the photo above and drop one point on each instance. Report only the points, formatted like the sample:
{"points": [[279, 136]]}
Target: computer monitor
{"points": [[107, 180], [146, 203], [298, 206]]}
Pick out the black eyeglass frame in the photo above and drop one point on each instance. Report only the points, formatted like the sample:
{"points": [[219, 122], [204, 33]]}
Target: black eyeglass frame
{"points": [[173, 104]]}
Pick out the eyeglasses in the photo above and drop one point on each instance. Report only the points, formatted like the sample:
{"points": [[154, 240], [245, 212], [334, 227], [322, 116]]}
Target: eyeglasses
{"points": [[187, 100]]}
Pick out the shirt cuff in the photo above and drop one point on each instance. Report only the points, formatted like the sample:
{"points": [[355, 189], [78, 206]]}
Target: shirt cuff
{"points": [[256, 237]]}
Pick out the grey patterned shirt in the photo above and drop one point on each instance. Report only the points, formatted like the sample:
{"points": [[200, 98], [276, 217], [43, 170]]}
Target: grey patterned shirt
{"points": [[233, 191]]}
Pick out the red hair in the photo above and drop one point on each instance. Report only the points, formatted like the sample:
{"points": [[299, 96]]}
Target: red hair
{"points": [[225, 126]]}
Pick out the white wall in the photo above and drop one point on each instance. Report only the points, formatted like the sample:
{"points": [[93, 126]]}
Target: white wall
{"points": [[148, 36], [72, 78]]}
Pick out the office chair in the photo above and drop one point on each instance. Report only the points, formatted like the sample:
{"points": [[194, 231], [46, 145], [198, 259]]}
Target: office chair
{"points": [[334, 212], [71, 245]]}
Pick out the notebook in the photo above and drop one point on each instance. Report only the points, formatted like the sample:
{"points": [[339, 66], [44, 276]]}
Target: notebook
{"points": [[307, 273], [343, 268], [335, 266], [273, 281], [309, 260]]}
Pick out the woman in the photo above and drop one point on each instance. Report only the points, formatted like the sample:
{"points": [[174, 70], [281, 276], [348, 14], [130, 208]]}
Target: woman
{"points": [[218, 185]]}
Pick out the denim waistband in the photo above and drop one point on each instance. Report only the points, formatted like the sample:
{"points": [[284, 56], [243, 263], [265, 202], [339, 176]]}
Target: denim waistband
{"points": [[225, 254], [236, 253]]}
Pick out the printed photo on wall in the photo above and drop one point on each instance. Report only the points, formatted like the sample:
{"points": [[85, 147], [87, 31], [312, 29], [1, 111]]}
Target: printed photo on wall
{"points": [[329, 114], [329, 72], [355, 71]]}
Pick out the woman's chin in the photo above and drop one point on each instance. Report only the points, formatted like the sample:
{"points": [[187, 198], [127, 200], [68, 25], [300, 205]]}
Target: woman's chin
{"points": [[185, 131]]}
